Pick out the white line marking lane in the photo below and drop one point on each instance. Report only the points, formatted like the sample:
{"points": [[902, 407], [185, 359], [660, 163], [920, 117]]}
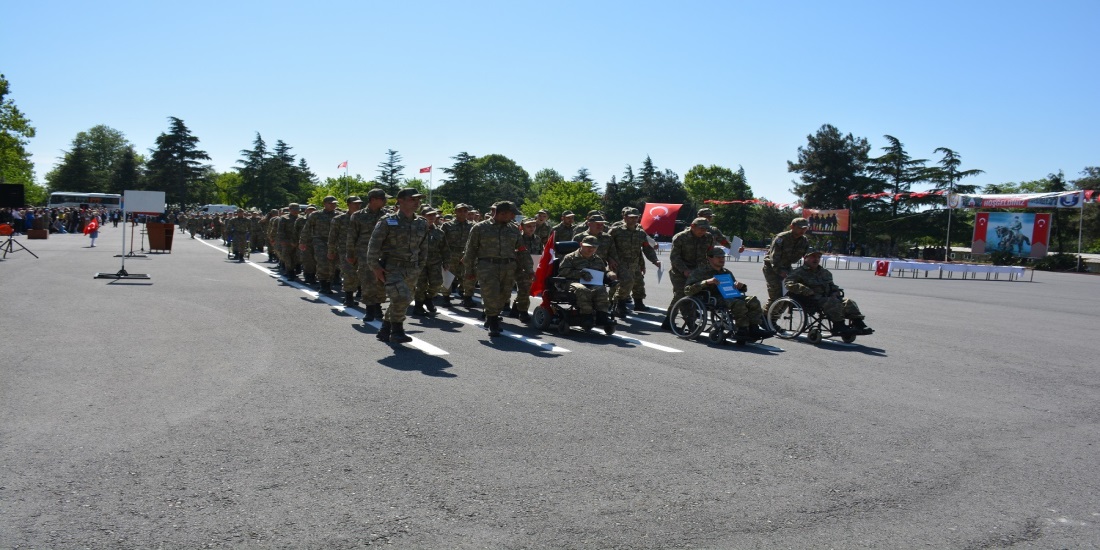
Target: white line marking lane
{"points": [[545, 346], [338, 306]]}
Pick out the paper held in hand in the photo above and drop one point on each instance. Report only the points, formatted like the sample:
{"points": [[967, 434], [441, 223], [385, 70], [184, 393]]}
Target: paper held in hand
{"points": [[596, 280], [448, 278]]}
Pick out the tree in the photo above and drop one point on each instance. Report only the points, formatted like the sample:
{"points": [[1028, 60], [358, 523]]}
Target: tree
{"points": [[578, 196], [543, 178], [105, 147], [831, 167], [174, 166], [1090, 180], [655, 186], [127, 173], [73, 172], [255, 186], [501, 179], [720, 183], [227, 188], [897, 172], [946, 177], [15, 133], [389, 173], [464, 182], [583, 175]]}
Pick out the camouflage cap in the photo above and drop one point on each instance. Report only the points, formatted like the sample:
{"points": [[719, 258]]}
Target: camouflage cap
{"points": [[529, 221], [590, 241], [716, 252], [328, 199], [354, 198], [811, 252], [507, 206], [294, 206], [409, 193], [596, 218], [567, 213], [377, 194], [543, 212], [462, 206], [631, 213], [800, 222], [701, 222], [705, 212]]}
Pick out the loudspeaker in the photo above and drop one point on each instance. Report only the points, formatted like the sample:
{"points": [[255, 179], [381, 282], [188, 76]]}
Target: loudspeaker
{"points": [[11, 196]]}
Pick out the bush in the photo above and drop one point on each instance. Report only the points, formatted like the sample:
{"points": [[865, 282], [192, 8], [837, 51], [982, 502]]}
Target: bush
{"points": [[1058, 262], [1000, 257]]}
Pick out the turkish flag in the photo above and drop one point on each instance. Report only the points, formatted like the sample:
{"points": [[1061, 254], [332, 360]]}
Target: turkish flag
{"points": [[426, 169], [538, 282], [342, 165], [1040, 232], [981, 224], [882, 268], [660, 219], [92, 226]]}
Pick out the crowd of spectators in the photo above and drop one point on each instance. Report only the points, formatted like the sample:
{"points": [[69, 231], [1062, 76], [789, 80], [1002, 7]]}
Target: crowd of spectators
{"points": [[54, 220]]}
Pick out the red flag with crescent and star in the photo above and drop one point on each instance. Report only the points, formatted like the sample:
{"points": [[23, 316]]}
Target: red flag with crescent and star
{"points": [[542, 272], [660, 219], [1040, 232], [981, 225]]}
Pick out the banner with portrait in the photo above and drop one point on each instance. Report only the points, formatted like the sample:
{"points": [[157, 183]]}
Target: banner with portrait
{"points": [[1021, 235], [827, 222]]}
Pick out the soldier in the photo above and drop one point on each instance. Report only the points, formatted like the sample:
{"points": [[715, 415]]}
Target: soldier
{"points": [[719, 238], [256, 230], [493, 246], [786, 248], [337, 243], [194, 225], [596, 224], [455, 234], [689, 251], [590, 298], [237, 230], [816, 283], [564, 230], [746, 310], [628, 244], [360, 228], [314, 240], [431, 277], [286, 237], [270, 224], [542, 229], [305, 257], [523, 277], [216, 228], [395, 255]]}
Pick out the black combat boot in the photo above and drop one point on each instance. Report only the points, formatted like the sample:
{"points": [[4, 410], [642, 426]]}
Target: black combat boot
{"points": [[429, 306], [368, 315], [468, 302], [310, 278], [666, 324], [418, 308], [494, 325], [397, 334], [620, 308], [326, 287], [512, 311], [384, 334], [349, 298], [524, 317], [639, 306], [604, 320]]}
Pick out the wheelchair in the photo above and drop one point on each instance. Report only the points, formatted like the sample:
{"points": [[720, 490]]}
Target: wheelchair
{"points": [[558, 310], [707, 312], [793, 315], [229, 249]]}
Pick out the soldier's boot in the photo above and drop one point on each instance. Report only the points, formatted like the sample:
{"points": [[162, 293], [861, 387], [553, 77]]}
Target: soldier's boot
{"points": [[743, 333], [310, 278], [418, 308], [620, 308], [842, 328], [429, 306], [368, 314], [511, 310], [384, 334], [326, 287], [757, 332], [494, 325], [507, 309], [861, 327], [468, 302], [639, 305], [604, 320], [666, 324], [397, 334], [443, 300], [349, 298]]}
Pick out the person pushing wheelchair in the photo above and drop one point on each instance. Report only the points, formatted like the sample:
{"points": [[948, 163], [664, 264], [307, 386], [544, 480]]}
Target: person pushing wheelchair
{"points": [[746, 310], [812, 281]]}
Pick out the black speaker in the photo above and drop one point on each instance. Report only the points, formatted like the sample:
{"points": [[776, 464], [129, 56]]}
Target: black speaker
{"points": [[11, 196]]}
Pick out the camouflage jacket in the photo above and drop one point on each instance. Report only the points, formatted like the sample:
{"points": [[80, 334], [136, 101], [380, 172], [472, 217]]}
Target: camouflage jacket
{"points": [[786, 250], [398, 240], [628, 245], [806, 281], [689, 251]]}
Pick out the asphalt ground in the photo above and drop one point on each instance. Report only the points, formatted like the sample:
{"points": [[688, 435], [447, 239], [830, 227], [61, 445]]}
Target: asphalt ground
{"points": [[215, 405]]}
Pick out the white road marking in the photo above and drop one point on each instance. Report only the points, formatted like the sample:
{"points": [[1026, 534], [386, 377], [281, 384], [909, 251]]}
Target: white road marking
{"points": [[525, 339]]}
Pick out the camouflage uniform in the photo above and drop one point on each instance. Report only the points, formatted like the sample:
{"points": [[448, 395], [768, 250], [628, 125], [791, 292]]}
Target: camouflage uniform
{"points": [[542, 231], [746, 310], [337, 244], [216, 224], [603, 250], [492, 248], [431, 277], [524, 277], [360, 228], [688, 252], [818, 284], [627, 248], [397, 245], [237, 230], [286, 235], [589, 298], [786, 249], [315, 236], [455, 236], [194, 225], [563, 232], [256, 229]]}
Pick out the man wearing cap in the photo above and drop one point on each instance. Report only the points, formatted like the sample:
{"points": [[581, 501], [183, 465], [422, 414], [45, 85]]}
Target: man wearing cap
{"points": [[237, 231], [786, 249], [523, 277], [287, 239], [395, 256], [816, 283], [360, 228], [337, 249], [590, 298], [719, 238], [542, 229], [495, 247], [256, 231], [270, 224], [746, 310], [309, 263], [314, 239], [628, 244], [689, 251], [596, 223], [431, 276], [564, 231], [455, 234]]}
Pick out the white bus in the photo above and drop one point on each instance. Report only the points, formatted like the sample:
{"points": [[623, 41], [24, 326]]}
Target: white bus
{"points": [[102, 201]]}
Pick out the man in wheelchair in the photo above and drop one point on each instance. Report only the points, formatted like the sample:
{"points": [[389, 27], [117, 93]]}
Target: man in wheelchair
{"points": [[746, 310], [814, 283], [591, 298]]}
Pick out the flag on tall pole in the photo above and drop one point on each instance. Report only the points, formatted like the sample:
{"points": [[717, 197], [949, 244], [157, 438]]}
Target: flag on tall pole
{"points": [[426, 169], [342, 165]]}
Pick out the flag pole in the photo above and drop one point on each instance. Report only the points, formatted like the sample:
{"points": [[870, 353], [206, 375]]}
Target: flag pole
{"points": [[431, 172]]}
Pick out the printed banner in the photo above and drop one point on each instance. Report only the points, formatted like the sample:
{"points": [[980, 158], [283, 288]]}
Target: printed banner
{"points": [[1022, 235], [1067, 199], [827, 221]]}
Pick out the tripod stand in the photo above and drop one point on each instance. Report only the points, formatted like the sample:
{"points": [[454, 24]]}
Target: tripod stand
{"points": [[8, 247]]}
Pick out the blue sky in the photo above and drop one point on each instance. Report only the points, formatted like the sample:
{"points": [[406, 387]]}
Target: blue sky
{"points": [[1010, 86]]}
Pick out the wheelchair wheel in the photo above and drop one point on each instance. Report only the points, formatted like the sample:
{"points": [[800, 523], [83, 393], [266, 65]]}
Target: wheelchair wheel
{"points": [[814, 336], [787, 318], [687, 317], [848, 338], [540, 318]]}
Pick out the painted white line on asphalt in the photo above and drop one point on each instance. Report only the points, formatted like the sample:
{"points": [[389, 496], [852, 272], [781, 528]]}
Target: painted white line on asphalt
{"points": [[546, 346], [338, 306], [646, 344]]}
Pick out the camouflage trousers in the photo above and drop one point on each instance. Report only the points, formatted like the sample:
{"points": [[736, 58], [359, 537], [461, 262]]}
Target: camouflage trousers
{"points": [[400, 280], [349, 272], [746, 311], [470, 279], [429, 281], [322, 265], [309, 262], [257, 241], [590, 298], [523, 290], [374, 292], [458, 270], [678, 280], [288, 253], [838, 309], [631, 282], [496, 281], [774, 281], [240, 243]]}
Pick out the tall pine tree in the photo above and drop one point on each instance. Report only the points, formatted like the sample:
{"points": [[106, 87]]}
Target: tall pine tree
{"points": [[175, 166]]}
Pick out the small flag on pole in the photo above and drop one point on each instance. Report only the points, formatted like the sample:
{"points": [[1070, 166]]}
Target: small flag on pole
{"points": [[542, 271], [343, 165], [426, 169]]}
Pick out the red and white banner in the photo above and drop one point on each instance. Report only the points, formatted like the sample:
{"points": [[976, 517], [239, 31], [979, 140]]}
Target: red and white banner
{"points": [[882, 268], [342, 165], [660, 219], [426, 169], [1023, 235], [542, 272]]}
